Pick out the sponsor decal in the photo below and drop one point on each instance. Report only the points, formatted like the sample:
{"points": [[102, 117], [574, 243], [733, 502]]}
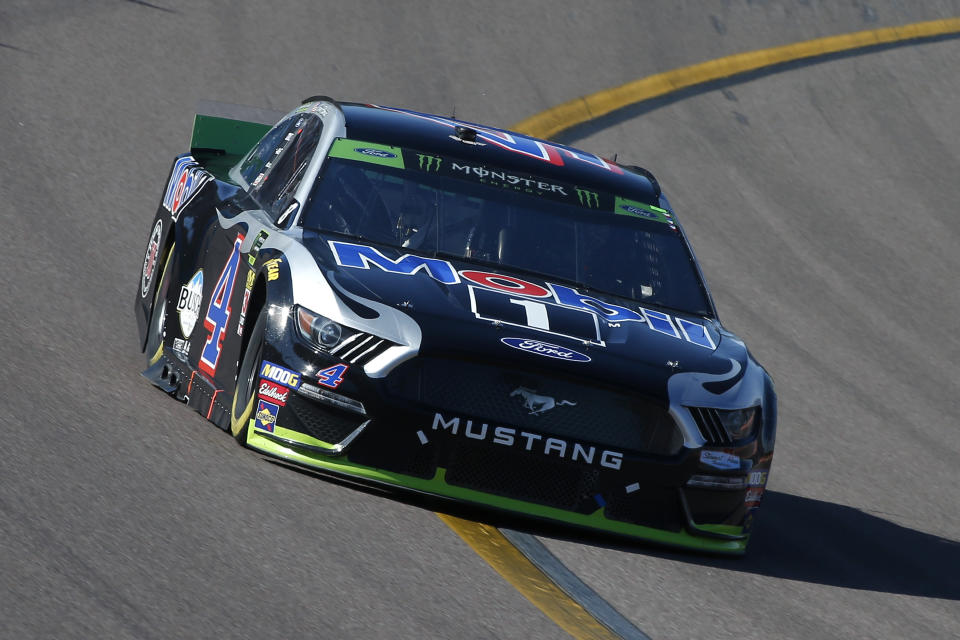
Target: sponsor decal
{"points": [[370, 152], [429, 163], [188, 305], [251, 277], [255, 248], [632, 208], [719, 460], [536, 403], [545, 349], [589, 199], [753, 497], [241, 321], [281, 375], [557, 320], [757, 479], [186, 180], [376, 153], [266, 415], [274, 392], [181, 348], [504, 179], [273, 268], [150, 259], [528, 441], [358, 256]]}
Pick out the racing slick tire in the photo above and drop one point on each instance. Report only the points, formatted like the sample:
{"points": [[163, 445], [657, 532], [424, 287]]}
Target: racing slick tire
{"points": [[244, 393], [154, 348]]}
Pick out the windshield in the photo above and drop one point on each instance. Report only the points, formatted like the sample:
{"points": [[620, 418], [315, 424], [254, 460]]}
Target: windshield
{"points": [[441, 206]]}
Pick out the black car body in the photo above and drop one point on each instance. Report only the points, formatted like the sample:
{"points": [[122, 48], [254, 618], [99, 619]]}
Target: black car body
{"points": [[459, 310]]}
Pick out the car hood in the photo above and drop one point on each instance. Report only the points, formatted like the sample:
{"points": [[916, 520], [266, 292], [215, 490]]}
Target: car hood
{"points": [[478, 318]]}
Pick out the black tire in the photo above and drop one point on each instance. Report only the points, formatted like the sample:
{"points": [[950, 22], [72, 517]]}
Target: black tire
{"points": [[244, 393], [154, 348]]}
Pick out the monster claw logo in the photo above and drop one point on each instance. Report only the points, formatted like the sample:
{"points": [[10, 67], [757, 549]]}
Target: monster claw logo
{"points": [[589, 199], [429, 163]]}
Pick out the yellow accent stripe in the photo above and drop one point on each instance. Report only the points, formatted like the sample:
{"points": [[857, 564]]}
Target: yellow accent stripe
{"points": [[579, 110], [530, 581], [487, 541]]}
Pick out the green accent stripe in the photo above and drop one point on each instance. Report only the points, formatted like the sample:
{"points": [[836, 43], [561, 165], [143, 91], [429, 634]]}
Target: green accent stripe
{"points": [[438, 486]]}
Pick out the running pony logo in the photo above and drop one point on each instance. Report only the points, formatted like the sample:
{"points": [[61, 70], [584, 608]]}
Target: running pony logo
{"points": [[538, 404]]}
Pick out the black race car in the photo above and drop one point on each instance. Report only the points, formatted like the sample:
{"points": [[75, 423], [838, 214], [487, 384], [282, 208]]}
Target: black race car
{"points": [[459, 310]]}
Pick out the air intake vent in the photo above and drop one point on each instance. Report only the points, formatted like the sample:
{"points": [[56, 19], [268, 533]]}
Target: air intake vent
{"points": [[708, 421], [361, 348]]}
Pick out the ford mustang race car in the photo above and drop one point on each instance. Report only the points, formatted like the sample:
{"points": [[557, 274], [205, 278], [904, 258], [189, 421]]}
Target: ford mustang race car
{"points": [[458, 310]]}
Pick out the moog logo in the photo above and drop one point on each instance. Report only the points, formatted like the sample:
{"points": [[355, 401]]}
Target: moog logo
{"points": [[280, 375], [545, 349]]}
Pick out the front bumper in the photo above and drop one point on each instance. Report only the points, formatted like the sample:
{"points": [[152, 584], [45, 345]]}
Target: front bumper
{"points": [[651, 501]]}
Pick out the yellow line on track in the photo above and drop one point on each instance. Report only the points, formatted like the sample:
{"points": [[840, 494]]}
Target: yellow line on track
{"points": [[579, 110], [487, 541], [536, 586]]}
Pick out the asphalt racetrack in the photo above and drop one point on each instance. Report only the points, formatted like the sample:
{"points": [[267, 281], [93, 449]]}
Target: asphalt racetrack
{"points": [[821, 198]]}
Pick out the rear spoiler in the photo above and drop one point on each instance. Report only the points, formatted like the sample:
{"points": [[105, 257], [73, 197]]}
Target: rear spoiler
{"points": [[223, 133]]}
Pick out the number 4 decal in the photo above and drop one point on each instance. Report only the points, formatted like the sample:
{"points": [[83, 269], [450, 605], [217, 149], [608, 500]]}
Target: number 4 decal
{"points": [[332, 376], [218, 313]]}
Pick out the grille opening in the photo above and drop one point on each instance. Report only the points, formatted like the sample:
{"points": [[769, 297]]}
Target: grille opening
{"points": [[590, 414], [521, 476]]}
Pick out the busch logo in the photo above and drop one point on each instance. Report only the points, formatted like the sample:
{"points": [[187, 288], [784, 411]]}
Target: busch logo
{"points": [[511, 437], [429, 163], [188, 306], [589, 199]]}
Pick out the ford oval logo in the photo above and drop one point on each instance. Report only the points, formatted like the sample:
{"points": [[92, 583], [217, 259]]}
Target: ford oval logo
{"points": [[637, 211], [545, 349], [378, 153]]}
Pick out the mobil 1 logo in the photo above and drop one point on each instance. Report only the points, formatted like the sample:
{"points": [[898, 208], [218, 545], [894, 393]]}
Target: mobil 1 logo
{"points": [[535, 314]]}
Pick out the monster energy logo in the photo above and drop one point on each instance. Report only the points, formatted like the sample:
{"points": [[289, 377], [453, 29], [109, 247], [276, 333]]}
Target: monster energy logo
{"points": [[429, 163], [589, 199]]}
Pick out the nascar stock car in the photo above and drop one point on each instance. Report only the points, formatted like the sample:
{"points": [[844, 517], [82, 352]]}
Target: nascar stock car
{"points": [[458, 310]]}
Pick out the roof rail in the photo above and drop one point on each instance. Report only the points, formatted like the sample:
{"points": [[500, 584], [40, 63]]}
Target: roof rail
{"points": [[646, 174], [320, 99]]}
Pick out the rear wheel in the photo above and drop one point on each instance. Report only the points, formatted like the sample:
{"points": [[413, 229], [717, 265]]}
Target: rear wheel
{"points": [[244, 394], [154, 348]]}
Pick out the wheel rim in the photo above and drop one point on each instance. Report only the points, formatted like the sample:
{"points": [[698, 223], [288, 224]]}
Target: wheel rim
{"points": [[159, 313]]}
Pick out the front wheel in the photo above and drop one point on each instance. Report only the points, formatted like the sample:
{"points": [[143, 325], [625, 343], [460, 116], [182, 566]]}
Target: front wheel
{"points": [[244, 394], [154, 348]]}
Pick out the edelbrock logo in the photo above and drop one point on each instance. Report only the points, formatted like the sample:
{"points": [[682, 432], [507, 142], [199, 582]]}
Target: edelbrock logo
{"points": [[375, 152], [545, 349]]}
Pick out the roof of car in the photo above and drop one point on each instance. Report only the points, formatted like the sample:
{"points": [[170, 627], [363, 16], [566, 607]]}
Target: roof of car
{"points": [[494, 147]]}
